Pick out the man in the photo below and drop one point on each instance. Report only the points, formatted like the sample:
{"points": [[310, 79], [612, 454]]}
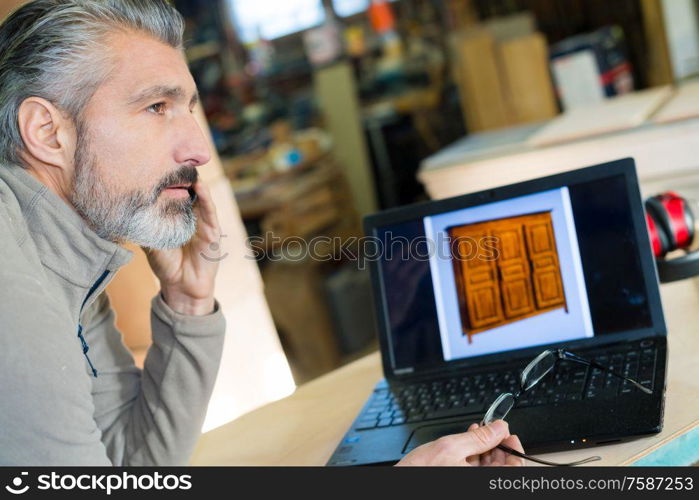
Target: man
{"points": [[99, 146]]}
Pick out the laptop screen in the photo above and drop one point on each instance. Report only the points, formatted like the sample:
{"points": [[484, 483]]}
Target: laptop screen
{"points": [[554, 266]]}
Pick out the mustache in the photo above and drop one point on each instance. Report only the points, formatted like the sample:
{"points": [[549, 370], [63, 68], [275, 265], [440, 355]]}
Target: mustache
{"points": [[183, 175]]}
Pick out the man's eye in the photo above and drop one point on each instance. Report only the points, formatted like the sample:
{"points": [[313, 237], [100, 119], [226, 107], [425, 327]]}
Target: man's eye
{"points": [[157, 108]]}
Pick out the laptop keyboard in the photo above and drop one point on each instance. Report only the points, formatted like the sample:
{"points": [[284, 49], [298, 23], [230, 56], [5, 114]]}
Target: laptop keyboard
{"points": [[472, 394]]}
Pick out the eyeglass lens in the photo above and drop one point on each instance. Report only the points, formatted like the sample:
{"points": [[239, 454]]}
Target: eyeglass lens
{"points": [[499, 409], [538, 369]]}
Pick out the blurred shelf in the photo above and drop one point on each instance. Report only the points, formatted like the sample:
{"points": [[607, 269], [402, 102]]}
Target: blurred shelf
{"points": [[203, 50]]}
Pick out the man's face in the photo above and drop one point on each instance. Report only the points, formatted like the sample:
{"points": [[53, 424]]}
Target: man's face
{"points": [[138, 147]]}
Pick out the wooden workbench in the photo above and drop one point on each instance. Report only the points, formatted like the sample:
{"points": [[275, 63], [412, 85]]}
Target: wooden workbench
{"points": [[305, 428], [666, 156]]}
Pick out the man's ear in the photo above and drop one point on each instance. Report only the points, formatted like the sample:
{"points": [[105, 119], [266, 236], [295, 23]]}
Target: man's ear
{"points": [[48, 135]]}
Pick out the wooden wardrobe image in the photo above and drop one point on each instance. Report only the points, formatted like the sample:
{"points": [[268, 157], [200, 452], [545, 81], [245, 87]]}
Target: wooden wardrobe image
{"points": [[514, 274]]}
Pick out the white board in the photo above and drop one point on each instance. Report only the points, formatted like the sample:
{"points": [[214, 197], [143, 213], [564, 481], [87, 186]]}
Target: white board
{"points": [[612, 115]]}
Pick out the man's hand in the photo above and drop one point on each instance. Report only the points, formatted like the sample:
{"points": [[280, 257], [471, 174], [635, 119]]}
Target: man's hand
{"points": [[475, 447], [186, 278]]}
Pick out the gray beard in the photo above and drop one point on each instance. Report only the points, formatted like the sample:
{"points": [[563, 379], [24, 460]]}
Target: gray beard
{"points": [[134, 216]]}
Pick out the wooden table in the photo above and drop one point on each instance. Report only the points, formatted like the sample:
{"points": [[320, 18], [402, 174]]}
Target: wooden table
{"points": [[305, 428]]}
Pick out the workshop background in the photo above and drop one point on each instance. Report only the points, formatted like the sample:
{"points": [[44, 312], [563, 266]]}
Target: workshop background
{"points": [[323, 111]]}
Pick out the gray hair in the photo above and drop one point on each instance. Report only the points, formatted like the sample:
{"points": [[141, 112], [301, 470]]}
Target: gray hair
{"points": [[54, 49]]}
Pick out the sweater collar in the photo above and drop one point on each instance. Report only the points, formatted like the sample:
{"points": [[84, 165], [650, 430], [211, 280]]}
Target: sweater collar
{"points": [[64, 241]]}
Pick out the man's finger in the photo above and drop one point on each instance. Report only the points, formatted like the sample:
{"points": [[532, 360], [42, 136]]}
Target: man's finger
{"points": [[474, 459], [514, 443], [498, 457], [481, 439], [205, 203], [487, 437]]}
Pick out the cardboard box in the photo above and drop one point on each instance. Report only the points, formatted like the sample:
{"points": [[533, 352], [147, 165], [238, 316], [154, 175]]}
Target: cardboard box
{"points": [[590, 67]]}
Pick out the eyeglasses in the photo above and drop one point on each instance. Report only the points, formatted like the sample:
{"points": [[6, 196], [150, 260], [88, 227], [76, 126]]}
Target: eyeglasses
{"points": [[532, 374]]}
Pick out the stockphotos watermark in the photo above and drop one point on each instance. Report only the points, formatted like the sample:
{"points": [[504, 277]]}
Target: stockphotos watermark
{"points": [[362, 250], [104, 483]]}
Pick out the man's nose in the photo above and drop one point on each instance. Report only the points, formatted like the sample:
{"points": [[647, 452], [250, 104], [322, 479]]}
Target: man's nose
{"points": [[193, 147]]}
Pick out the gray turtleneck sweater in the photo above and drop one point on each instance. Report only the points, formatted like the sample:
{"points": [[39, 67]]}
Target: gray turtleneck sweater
{"points": [[53, 409]]}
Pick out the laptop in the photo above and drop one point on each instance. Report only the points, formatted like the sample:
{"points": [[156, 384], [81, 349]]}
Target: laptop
{"points": [[470, 289]]}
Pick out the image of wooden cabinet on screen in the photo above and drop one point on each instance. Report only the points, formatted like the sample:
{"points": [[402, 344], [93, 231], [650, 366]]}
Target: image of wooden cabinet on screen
{"points": [[506, 270]]}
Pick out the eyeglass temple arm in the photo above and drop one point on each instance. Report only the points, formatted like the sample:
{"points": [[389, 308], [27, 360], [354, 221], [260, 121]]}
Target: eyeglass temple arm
{"points": [[573, 357], [546, 462]]}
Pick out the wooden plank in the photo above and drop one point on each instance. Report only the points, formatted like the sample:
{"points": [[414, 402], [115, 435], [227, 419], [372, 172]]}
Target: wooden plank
{"points": [[517, 25], [525, 68], [481, 90], [681, 106], [666, 158], [657, 60], [613, 115]]}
